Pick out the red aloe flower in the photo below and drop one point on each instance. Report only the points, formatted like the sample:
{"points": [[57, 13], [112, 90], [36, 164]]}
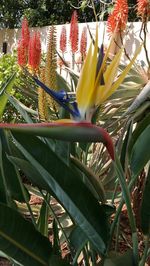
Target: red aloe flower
{"points": [[22, 53], [25, 32], [34, 55], [63, 39], [74, 32], [83, 42], [117, 20], [143, 8]]}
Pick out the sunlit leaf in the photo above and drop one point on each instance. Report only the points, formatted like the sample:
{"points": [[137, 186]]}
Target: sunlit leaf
{"points": [[8, 87]]}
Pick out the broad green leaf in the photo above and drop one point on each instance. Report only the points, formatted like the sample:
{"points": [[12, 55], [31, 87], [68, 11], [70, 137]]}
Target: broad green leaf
{"points": [[93, 180], [43, 218], [124, 150], [20, 240], [77, 242], [145, 207], [119, 260], [56, 242], [28, 91], [140, 154], [3, 97], [4, 196], [66, 131], [22, 109], [9, 176], [62, 148], [138, 130], [31, 172], [67, 187]]}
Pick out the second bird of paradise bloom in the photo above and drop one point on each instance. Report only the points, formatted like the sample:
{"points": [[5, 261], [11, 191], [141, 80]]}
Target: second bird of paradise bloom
{"points": [[96, 83]]}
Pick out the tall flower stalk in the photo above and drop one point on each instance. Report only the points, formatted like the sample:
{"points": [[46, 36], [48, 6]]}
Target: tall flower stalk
{"points": [[42, 108], [62, 46], [74, 32], [34, 55], [25, 32], [21, 53], [143, 9], [51, 66], [63, 40], [116, 24], [83, 43], [23, 43], [29, 48], [117, 20]]}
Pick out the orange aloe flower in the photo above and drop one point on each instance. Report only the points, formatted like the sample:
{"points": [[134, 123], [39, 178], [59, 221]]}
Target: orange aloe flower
{"points": [[22, 49], [74, 31], [34, 55], [25, 32], [117, 20], [143, 8], [63, 39], [83, 42], [21, 53]]}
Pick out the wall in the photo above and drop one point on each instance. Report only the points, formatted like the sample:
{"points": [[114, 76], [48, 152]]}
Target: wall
{"points": [[132, 38]]}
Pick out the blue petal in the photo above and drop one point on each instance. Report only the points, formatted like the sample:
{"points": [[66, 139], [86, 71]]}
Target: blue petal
{"points": [[61, 97]]}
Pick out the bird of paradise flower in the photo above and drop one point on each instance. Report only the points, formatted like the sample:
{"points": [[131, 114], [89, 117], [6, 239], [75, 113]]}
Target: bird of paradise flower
{"points": [[96, 84]]}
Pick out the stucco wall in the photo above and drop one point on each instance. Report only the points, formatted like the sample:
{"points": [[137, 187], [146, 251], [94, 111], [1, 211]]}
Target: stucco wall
{"points": [[132, 38]]}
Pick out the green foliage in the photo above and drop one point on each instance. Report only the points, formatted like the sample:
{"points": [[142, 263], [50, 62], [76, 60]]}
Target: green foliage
{"points": [[25, 249], [10, 13], [7, 67], [145, 207], [81, 191], [116, 259], [13, 82], [40, 13], [140, 154], [7, 88], [9, 181], [65, 188], [68, 186], [48, 12]]}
